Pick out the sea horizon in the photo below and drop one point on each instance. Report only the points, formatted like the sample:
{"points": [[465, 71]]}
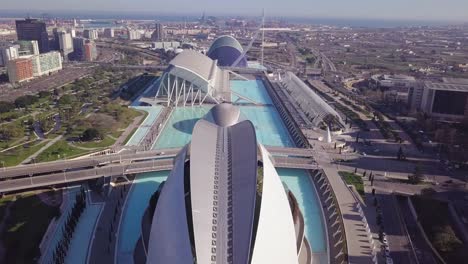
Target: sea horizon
{"points": [[192, 17]]}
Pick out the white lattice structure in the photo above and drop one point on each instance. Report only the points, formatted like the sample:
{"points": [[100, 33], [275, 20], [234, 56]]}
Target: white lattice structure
{"points": [[192, 78], [310, 102]]}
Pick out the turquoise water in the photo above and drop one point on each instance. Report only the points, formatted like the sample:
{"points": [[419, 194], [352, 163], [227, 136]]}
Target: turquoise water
{"points": [[78, 250], [252, 89], [270, 131], [178, 130], [153, 112], [268, 125], [138, 200], [299, 183], [255, 65]]}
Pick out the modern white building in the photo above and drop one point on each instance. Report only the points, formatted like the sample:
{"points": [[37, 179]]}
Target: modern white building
{"points": [[191, 78], [224, 201]]}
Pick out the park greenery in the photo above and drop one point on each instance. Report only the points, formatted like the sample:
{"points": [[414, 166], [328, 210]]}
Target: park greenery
{"points": [[353, 179], [439, 229], [90, 113], [25, 225]]}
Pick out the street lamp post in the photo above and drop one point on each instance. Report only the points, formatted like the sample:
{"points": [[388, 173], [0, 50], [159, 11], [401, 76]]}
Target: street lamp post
{"points": [[3, 165]]}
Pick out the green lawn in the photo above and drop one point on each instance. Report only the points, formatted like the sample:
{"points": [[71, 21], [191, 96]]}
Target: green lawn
{"points": [[17, 155], [25, 227], [58, 150], [106, 142], [353, 179], [435, 219]]}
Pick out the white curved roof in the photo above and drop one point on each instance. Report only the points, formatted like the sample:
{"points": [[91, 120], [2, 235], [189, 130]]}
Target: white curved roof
{"points": [[276, 238], [201, 71], [195, 62], [170, 222]]}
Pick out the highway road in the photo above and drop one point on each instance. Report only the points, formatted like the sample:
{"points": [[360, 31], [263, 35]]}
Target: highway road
{"points": [[59, 172]]}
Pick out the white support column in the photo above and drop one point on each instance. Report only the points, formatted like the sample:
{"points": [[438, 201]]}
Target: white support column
{"points": [[176, 91]]}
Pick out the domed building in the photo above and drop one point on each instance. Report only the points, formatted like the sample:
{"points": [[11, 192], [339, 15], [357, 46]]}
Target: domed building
{"points": [[226, 50]]}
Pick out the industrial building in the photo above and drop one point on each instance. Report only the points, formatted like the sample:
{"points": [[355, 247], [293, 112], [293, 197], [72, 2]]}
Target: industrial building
{"points": [[228, 52], [33, 29], [165, 45], [224, 201], [395, 87], [20, 70]]}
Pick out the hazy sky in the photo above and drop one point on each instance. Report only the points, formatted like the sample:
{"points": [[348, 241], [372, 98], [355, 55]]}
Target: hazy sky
{"points": [[450, 10]]}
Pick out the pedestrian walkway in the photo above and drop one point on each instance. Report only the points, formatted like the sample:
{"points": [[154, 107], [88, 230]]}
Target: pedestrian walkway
{"points": [[102, 249], [121, 139], [33, 156], [360, 249]]}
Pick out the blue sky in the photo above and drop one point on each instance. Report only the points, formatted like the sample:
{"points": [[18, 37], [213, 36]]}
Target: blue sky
{"points": [[437, 10]]}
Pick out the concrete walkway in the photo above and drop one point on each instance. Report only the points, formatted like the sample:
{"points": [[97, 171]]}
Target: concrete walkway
{"points": [[33, 156], [358, 239], [136, 123]]}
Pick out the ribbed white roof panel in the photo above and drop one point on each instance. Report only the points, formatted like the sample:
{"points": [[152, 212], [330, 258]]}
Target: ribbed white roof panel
{"points": [[276, 238]]}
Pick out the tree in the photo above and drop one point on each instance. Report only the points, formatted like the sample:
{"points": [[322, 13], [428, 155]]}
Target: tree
{"points": [[25, 101], [91, 134], [400, 154], [66, 100], [10, 131], [428, 192], [417, 176], [6, 107], [44, 94]]}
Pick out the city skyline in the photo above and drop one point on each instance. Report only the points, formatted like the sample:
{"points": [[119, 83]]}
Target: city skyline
{"points": [[450, 10]]}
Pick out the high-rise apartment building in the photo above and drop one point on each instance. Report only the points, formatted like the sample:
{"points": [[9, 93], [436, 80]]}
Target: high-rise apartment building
{"points": [[33, 29], [133, 34], [158, 34], [65, 44], [90, 34], [20, 70], [109, 33], [28, 47], [8, 52], [84, 49], [46, 63]]}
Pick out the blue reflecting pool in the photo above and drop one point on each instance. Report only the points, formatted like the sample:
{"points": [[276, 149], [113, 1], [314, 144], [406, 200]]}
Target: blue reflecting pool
{"points": [[137, 201], [252, 89], [178, 130], [300, 184]]}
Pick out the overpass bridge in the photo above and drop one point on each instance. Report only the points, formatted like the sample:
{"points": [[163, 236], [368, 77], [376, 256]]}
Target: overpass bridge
{"points": [[61, 172]]}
